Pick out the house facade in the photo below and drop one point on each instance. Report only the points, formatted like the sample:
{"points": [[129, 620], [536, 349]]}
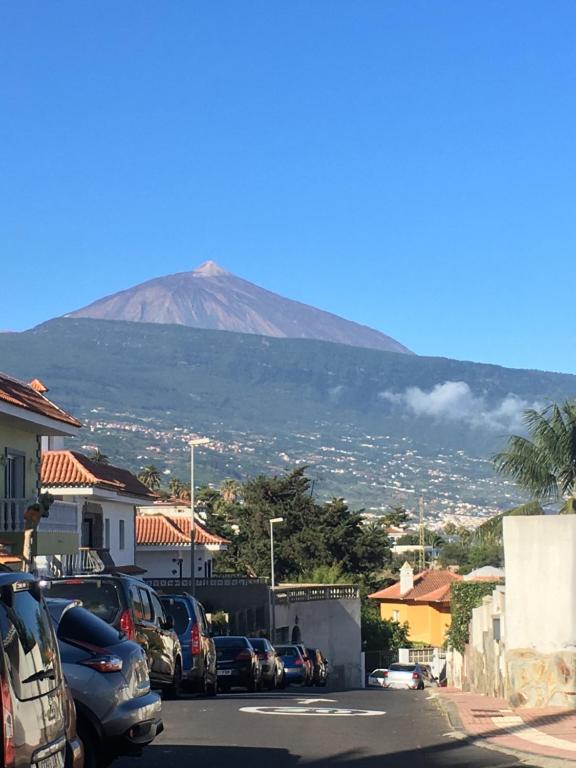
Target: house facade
{"points": [[26, 417], [422, 600], [163, 544], [106, 497]]}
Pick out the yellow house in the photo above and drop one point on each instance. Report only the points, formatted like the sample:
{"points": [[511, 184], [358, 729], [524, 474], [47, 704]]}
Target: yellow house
{"points": [[422, 600]]}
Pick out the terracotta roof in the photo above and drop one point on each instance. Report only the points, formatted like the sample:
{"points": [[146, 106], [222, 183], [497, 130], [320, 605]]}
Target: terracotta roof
{"points": [[30, 398], [71, 469], [429, 587], [164, 530]]}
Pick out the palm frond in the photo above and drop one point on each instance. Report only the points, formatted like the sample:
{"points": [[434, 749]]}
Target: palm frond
{"points": [[491, 530]]}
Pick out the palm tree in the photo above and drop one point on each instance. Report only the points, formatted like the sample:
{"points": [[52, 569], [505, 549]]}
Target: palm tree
{"points": [[99, 457], [150, 477], [229, 490], [545, 464]]}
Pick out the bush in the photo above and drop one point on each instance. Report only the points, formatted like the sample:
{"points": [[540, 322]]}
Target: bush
{"points": [[466, 595]]}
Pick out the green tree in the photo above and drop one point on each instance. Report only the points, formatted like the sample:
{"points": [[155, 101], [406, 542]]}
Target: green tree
{"points": [[230, 490], [381, 634], [396, 517], [544, 464], [150, 477]]}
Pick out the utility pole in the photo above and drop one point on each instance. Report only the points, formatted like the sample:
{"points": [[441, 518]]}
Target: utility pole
{"points": [[421, 538]]}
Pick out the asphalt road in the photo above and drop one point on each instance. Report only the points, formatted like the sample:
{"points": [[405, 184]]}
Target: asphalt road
{"points": [[409, 731]]}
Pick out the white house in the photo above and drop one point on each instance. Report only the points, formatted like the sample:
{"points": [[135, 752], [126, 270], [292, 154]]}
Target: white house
{"points": [[163, 543], [107, 498]]}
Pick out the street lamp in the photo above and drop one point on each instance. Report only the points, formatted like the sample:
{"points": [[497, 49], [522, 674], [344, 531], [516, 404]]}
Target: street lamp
{"points": [[273, 521], [193, 443]]}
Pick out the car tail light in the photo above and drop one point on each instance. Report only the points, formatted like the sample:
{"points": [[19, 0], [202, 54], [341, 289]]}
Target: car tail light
{"points": [[385, 673], [109, 663], [415, 676], [298, 662], [244, 655], [127, 624], [7, 723], [195, 640]]}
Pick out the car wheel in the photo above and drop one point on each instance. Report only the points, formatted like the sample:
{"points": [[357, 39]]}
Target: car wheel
{"points": [[92, 756], [212, 688], [175, 690]]}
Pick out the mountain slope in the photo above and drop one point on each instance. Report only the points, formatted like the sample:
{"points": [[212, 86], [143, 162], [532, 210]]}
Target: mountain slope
{"points": [[374, 427], [212, 298]]}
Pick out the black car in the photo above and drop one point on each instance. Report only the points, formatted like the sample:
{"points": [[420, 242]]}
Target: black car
{"points": [[134, 608], [198, 649], [319, 666], [237, 664], [35, 715], [117, 713], [270, 663]]}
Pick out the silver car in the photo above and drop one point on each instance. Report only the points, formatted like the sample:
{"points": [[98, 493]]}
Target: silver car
{"points": [[410, 676], [117, 712]]}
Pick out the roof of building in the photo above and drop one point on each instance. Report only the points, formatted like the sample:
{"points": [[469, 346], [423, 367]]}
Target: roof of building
{"points": [[486, 573], [61, 469], [31, 397], [431, 586], [164, 530]]}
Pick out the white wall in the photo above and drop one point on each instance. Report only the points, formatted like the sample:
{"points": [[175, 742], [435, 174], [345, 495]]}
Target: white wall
{"points": [[540, 554], [116, 511], [158, 562], [334, 627]]}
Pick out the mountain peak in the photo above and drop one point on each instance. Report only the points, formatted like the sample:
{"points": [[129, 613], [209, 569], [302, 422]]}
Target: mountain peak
{"points": [[210, 269]]}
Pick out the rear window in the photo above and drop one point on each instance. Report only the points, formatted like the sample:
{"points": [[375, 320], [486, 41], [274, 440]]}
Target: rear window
{"points": [[259, 644], [98, 596], [231, 642], [80, 626], [402, 667], [288, 650], [27, 640], [178, 610]]}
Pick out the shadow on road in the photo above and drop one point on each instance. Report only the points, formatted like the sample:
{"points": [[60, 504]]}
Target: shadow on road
{"points": [[449, 755]]}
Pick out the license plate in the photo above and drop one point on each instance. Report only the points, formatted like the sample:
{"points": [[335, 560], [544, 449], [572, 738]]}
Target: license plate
{"points": [[224, 672], [52, 761]]}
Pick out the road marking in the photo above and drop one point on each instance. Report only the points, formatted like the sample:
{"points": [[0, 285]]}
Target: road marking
{"points": [[315, 701], [517, 727], [311, 711]]}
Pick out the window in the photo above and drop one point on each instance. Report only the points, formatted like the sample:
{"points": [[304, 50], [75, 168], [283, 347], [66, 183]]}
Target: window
{"points": [[395, 615], [15, 479], [98, 596], [146, 605], [107, 533], [137, 607], [121, 534], [157, 605]]}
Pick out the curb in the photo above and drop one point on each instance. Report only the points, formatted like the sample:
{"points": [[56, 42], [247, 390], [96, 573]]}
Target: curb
{"points": [[450, 711]]}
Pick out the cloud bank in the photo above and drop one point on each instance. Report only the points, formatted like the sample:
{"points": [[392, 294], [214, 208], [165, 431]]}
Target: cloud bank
{"points": [[455, 401]]}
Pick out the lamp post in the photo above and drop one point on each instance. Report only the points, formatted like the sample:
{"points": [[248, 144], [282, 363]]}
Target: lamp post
{"points": [[273, 521], [193, 444]]}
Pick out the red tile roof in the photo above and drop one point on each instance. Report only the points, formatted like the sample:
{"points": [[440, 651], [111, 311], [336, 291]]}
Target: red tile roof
{"points": [[30, 398], [165, 530], [429, 587], [71, 469]]}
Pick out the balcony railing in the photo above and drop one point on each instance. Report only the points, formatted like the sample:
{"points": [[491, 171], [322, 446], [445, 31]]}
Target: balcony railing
{"points": [[320, 592], [84, 561], [62, 517]]}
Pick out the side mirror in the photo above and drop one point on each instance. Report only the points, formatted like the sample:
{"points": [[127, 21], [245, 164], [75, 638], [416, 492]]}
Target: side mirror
{"points": [[168, 623]]}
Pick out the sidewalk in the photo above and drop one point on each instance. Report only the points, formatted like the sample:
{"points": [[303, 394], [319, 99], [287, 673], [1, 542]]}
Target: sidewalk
{"points": [[549, 732]]}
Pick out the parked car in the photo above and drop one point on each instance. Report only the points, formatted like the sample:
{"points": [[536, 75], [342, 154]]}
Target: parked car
{"points": [[307, 663], [134, 608], [412, 676], [377, 678], [270, 662], [294, 666], [117, 713], [36, 711], [319, 666], [198, 649], [237, 663]]}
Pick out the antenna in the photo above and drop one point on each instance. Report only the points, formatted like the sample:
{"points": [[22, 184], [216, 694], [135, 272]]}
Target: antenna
{"points": [[421, 540]]}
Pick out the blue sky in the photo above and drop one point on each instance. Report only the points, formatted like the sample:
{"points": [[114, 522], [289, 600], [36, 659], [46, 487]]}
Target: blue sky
{"points": [[408, 165]]}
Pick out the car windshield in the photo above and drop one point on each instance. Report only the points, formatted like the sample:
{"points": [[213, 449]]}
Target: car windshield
{"points": [[288, 650], [98, 596], [258, 643], [231, 642]]}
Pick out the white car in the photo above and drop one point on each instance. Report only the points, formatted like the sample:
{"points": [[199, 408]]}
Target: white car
{"points": [[412, 676], [377, 678]]}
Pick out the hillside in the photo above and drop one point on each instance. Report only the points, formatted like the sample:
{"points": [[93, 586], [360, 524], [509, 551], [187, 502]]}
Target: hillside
{"points": [[375, 427], [212, 298]]}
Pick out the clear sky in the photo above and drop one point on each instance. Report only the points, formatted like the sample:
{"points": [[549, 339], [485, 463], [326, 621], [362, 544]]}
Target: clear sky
{"points": [[408, 165]]}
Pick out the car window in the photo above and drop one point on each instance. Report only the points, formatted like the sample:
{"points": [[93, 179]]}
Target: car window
{"points": [[402, 667], [137, 607], [159, 612], [148, 613], [179, 612], [258, 643], [28, 642], [80, 626], [231, 642], [99, 596], [204, 620], [288, 650]]}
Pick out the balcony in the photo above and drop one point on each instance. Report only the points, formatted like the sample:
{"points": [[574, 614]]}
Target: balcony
{"points": [[62, 518], [84, 561]]}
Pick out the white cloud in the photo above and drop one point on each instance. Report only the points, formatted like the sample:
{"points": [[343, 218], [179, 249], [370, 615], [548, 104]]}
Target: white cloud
{"points": [[455, 401]]}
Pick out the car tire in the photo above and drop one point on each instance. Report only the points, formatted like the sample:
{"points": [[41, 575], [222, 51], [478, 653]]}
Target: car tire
{"points": [[212, 688], [174, 691], [273, 683], [92, 751]]}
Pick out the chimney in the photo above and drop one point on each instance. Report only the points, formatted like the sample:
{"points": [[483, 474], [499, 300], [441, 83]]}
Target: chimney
{"points": [[38, 386], [406, 579]]}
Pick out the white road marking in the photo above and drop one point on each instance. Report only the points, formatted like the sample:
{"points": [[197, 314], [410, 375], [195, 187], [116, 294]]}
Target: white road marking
{"points": [[516, 726], [311, 711], [315, 701]]}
